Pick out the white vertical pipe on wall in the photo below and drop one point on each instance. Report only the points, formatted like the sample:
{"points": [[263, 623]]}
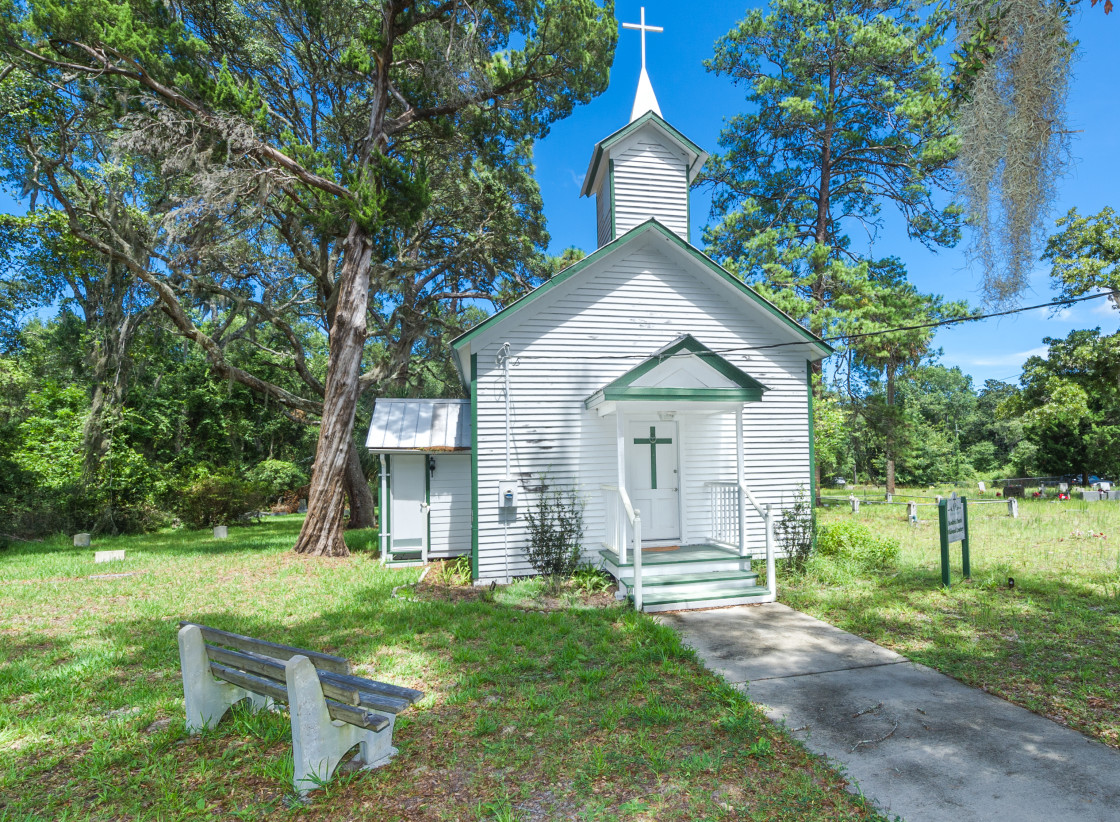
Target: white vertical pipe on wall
{"points": [[740, 476], [620, 435]]}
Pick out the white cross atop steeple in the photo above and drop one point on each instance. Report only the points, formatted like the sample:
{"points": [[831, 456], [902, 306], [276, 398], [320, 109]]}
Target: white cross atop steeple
{"points": [[644, 100], [643, 28]]}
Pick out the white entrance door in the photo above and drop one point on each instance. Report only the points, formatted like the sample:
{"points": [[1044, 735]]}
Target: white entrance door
{"points": [[408, 519], [651, 457]]}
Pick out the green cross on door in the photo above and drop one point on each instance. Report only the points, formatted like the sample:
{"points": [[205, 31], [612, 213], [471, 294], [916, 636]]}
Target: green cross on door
{"points": [[653, 442]]}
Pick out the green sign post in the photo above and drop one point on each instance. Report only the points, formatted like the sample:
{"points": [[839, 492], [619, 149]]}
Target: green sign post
{"points": [[952, 514]]}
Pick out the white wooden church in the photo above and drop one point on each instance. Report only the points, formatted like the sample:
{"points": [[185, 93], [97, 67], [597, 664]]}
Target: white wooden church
{"points": [[673, 399]]}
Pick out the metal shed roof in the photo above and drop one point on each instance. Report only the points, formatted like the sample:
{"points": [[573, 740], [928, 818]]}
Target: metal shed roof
{"points": [[420, 425]]}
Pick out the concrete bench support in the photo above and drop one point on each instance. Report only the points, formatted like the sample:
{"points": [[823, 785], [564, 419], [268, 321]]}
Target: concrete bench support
{"points": [[318, 742], [207, 699]]}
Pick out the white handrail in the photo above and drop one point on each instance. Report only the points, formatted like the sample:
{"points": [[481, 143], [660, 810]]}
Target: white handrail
{"points": [[635, 519], [768, 519]]}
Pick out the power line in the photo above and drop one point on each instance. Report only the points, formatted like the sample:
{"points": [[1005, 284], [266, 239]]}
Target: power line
{"points": [[966, 318]]}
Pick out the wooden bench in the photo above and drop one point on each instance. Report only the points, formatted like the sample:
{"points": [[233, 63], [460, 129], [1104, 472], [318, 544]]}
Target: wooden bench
{"points": [[331, 710]]}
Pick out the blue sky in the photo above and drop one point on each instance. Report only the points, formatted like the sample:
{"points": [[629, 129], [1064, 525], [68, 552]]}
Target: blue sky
{"points": [[697, 103]]}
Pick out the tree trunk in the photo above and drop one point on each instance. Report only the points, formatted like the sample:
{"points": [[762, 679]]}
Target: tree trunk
{"points": [[326, 501], [890, 428], [357, 491]]}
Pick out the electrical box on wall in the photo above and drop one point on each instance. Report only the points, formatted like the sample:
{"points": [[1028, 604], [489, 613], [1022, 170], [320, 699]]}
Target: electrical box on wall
{"points": [[507, 493]]}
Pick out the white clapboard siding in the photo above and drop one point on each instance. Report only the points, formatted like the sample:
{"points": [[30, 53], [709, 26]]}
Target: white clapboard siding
{"points": [[629, 305], [650, 180], [450, 512]]}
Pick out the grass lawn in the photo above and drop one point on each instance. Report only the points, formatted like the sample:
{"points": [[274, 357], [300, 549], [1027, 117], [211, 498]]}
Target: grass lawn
{"points": [[1050, 644], [532, 714]]}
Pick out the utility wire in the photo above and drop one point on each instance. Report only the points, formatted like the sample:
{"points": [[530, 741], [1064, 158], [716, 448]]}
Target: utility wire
{"points": [[967, 318]]}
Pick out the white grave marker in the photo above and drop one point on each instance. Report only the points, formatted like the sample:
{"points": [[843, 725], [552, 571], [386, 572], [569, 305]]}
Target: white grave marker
{"points": [[108, 556], [220, 532], [1013, 508]]}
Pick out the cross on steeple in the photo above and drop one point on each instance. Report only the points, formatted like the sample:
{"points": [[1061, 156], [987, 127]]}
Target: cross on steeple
{"points": [[643, 28]]}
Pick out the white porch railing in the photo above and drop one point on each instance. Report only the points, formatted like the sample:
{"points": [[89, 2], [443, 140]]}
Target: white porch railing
{"points": [[728, 503], [624, 525]]}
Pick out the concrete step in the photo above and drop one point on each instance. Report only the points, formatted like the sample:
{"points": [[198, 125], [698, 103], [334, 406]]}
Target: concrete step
{"points": [[652, 603], [689, 585]]}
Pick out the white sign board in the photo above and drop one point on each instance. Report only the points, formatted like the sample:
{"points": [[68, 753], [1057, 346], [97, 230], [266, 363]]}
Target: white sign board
{"points": [[954, 519]]}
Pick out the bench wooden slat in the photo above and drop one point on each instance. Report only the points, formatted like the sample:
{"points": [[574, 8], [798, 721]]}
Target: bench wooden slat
{"points": [[356, 716], [323, 662], [274, 669], [346, 713], [409, 695]]}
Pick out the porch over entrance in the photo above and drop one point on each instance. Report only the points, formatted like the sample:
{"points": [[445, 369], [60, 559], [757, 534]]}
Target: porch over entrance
{"points": [[681, 516]]}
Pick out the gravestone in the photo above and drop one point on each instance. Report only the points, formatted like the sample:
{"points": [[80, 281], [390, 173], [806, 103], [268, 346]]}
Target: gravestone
{"points": [[81, 540], [1014, 491], [980, 485], [108, 556], [854, 503], [1089, 495], [221, 532], [938, 499], [1115, 495], [912, 512], [302, 509], [890, 497], [1063, 487], [1013, 508]]}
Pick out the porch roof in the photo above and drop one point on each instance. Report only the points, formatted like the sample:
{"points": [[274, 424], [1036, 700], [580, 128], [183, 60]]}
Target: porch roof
{"points": [[420, 425], [686, 370]]}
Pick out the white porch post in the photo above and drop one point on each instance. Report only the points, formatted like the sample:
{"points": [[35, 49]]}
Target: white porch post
{"points": [[621, 519], [740, 476], [771, 578]]}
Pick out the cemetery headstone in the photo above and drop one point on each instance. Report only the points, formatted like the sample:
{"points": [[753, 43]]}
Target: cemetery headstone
{"points": [[1063, 487], [1013, 508], [1089, 495], [890, 497], [1114, 495], [81, 540], [302, 509], [980, 485], [108, 556], [221, 532], [912, 512], [1014, 491], [854, 503]]}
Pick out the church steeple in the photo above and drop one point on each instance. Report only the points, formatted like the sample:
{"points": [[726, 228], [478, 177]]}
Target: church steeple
{"points": [[643, 170]]}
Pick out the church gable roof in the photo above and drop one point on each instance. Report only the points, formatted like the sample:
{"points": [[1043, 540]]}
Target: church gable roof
{"points": [[700, 262], [686, 369]]}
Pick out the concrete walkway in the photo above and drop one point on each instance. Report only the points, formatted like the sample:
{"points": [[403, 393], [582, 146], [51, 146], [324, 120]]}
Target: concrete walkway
{"points": [[919, 744]]}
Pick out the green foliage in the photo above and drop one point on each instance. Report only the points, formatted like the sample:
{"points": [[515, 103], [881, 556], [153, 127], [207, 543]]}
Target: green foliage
{"points": [[796, 531], [847, 116], [274, 477], [1086, 254], [854, 541], [215, 497], [1070, 404], [588, 579], [555, 532]]}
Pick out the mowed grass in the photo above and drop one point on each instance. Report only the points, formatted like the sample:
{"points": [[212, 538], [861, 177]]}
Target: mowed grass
{"points": [[1051, 643], [578, 713]]}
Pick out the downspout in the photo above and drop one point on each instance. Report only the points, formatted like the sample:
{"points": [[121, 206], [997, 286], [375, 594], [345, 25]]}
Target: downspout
{"points": [[502, 360]]}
